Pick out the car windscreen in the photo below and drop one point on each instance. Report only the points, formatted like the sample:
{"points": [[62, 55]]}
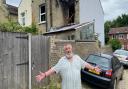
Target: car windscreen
{"points": [[120, 52], [99, 61]]}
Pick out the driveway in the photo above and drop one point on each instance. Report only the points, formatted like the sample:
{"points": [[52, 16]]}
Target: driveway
{"points": [[123, 84]]}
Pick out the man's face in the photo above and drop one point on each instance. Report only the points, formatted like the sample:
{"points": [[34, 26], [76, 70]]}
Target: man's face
{"points": [[68, 49]]}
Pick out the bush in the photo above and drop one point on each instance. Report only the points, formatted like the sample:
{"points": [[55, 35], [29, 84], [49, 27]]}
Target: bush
{"points": [[115, 44], [33, 29], [15, 27]]}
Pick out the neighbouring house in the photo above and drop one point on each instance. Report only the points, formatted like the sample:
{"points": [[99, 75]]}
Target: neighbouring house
{"points": [[120, 33], [49, 14], [8, 12]]}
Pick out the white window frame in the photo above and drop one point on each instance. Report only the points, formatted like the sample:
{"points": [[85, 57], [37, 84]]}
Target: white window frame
{"points": [[40, 14], [22, 19]]}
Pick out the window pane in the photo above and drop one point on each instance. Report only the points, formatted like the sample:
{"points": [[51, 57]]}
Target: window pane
{"points": [[42, 9], [23, 21], [100, 61], [23, 18], [87, 32], [43, 17], [22, 14]]}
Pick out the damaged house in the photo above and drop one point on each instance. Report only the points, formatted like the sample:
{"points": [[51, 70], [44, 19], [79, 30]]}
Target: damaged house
{"points": [[51, 15]]}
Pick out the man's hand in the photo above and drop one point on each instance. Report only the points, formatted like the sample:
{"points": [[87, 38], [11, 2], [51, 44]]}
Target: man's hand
{"points": [[45, 74], [40, 76], [97, 69]]}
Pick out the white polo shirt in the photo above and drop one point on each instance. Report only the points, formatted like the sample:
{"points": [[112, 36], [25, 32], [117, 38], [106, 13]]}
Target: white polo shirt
{"points": [[70, 72]]}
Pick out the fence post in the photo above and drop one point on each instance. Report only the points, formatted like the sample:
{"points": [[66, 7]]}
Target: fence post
{"points": [[30, 67]]}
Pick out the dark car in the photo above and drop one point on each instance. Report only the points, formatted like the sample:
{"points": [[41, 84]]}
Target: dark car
{"points": [[111, 71]]}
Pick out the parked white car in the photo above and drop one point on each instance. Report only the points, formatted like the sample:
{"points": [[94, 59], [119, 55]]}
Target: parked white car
{"points": [[122, 55]]}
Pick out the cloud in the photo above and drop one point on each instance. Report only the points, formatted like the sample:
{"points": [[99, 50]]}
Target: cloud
{"points": [[114, 8]]}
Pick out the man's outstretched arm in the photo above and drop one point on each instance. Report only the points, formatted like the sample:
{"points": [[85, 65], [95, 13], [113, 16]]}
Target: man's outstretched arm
{"points": [[89, 66], [42, 75]]}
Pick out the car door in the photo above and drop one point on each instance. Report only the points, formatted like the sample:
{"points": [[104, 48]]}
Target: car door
{"points": [[117, 68]]}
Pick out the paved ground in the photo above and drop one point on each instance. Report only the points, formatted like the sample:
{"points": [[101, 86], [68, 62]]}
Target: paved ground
{"points": [[123, 84]]}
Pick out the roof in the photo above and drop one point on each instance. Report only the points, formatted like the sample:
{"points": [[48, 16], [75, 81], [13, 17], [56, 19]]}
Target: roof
{"points": [[118, 30], [67, 28], [12, 9]]}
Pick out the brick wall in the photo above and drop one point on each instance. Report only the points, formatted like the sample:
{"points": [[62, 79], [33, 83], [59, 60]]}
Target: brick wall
{"points": [[77, 14], [3, 15], [35, 15]]}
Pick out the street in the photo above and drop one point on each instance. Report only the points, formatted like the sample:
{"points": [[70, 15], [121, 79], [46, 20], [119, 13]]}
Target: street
{"points": [[123, 84]]}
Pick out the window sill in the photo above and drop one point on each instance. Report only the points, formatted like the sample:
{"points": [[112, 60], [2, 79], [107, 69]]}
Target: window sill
{"points": [[43, 22]]}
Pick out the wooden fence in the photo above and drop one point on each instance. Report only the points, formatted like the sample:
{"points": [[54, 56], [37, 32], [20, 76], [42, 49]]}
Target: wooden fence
{"points": [[40, 59], [14, 60]]}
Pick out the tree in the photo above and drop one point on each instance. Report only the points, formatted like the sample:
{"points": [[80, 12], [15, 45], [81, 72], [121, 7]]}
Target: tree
{"points": [[115, 44], [120, 21], [107, 26]]}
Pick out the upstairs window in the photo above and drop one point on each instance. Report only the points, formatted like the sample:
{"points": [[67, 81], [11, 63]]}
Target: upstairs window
{"points": [[23, 18], [42, 13]]}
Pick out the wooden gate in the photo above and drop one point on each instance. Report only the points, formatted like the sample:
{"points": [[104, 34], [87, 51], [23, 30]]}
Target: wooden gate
{"points": [[13, 51], [40, 59], [14, 59]]}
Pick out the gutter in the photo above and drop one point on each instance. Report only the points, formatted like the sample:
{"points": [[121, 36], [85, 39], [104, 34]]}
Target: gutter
{"points": [[46, 15], [51, 24]]}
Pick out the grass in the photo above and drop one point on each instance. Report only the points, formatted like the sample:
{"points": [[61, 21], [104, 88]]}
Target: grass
{"points": [[50, 86]]}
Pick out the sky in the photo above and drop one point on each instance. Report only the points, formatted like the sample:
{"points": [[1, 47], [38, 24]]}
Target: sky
{"points": [[13, 2], [112, 8]]}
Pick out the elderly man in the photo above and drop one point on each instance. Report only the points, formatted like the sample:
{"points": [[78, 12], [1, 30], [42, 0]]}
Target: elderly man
{"points": [[69, 67]]}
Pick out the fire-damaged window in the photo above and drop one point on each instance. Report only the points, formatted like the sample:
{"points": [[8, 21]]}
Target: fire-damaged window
{"points": [[87, 33], [68, 7], [71, 13], [42, 13]]}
